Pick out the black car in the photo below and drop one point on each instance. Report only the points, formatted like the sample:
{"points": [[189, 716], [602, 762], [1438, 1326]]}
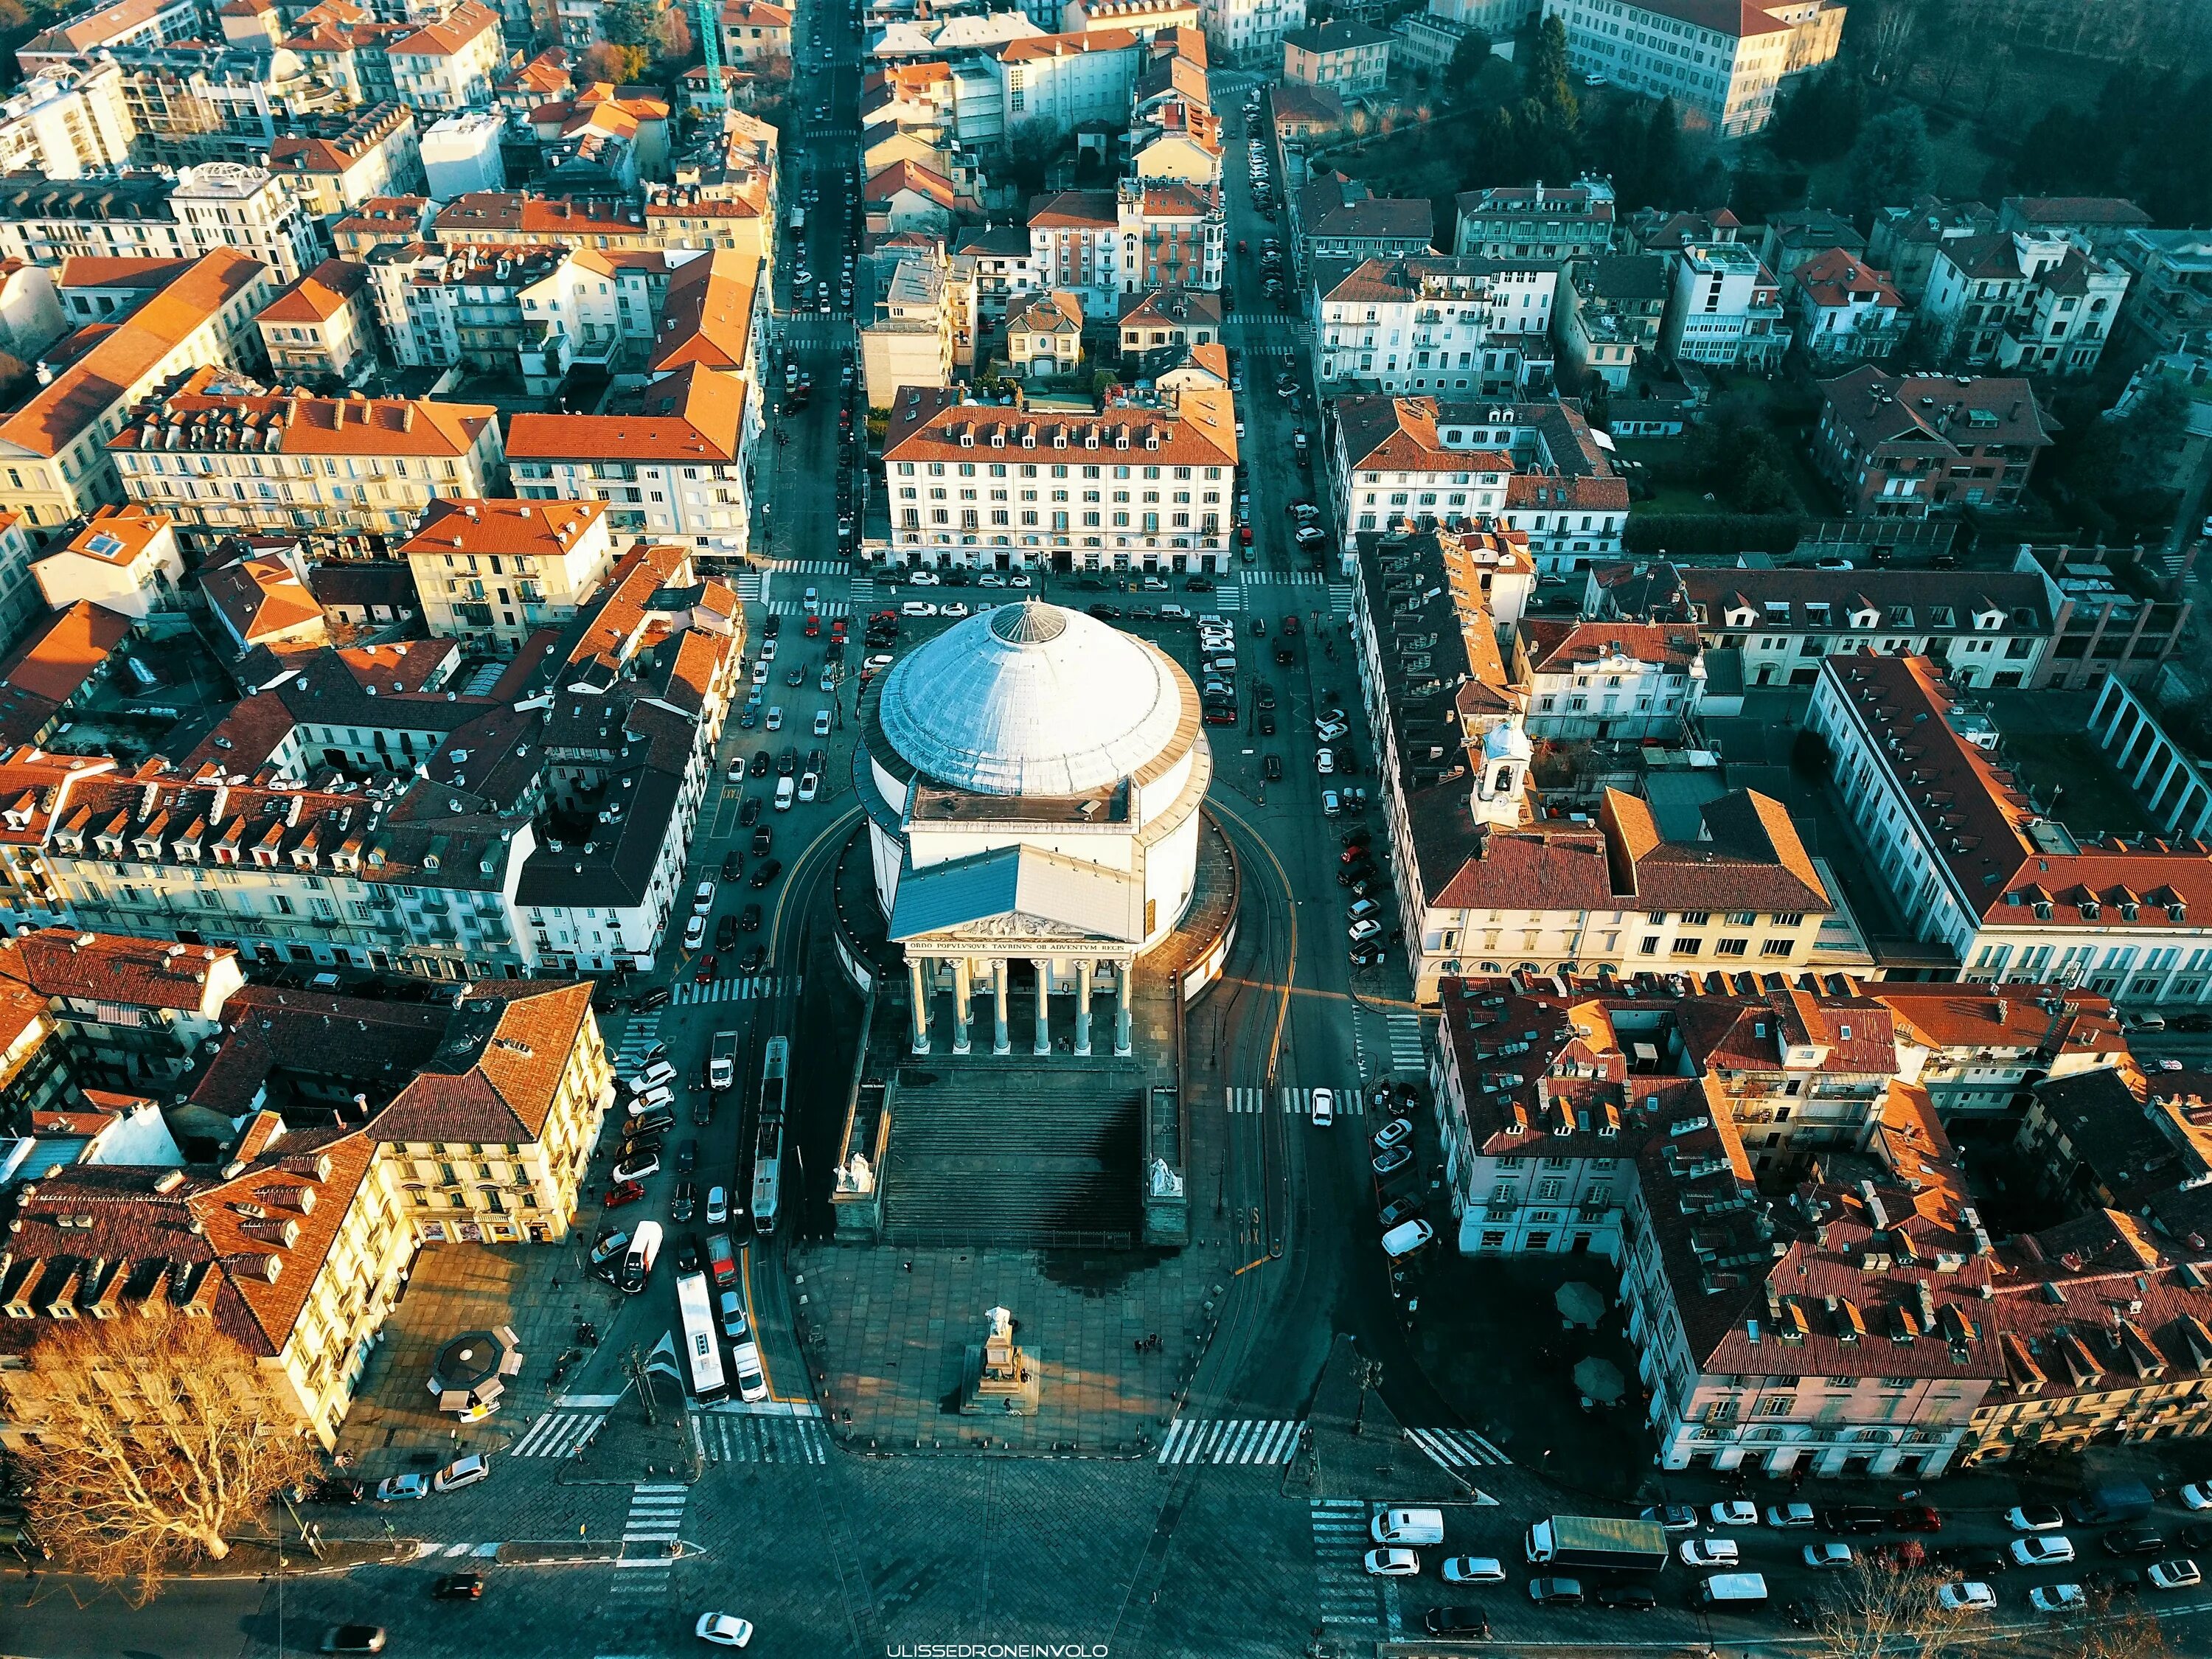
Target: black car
{"points": [[760, 764], [753, 960], [2197, 1535], [795, 675], [1398, 1211], [1972, 1557], [685, 1202], [725, 932], [1272, 767], [1630, 1597], [767, 872], [1285, 656], [750, 920], [353, 1638], [749, 814], [2133, 1541], [686, 1256], [1368, 954], [1264, 695], [687, 1158], [733, 864], [655, 998], [772, 627], [1851, 1518], [787, 762], [1266, 724], [1363, 871], [459, 1587], [1106, 613], [1455, 1621], [1199, 585], [2112, 1583], [1358, 835], [338, 1489], [763, 838]]}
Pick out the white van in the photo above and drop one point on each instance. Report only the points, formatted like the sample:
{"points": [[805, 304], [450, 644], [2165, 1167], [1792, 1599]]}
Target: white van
{"points": [[644, 1251], [1406, 1238], [1732, 1590], [1409, 1526], [785, 791]]}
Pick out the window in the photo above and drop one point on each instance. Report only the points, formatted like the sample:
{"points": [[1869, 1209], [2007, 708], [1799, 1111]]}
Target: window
{"points": [[1775, 947]]}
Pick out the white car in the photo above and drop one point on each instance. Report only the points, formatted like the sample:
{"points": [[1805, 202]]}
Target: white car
{"points": [[462, 1472], [1474, 1570], [695, 932], [922, 578], [2038, 1517], [768, 651], [2174, 1575], [2055, 1598], [877, 663], [820, 722], [1360, 930], [1710, 1553], [917, 608], [1394, 1564], [1821, 1556], [1737, 1512], [1324, 1107], [810, 785], [2042, 1549], [953, 608], [1330, 730], [735, 1326], [1789, 1514], [1969, 1597], [2198, 1495], [745, 1360], [717, 1205], [636, 1169], [774, 722], [1324, 761], [1397, 1129], [723, 1630]]}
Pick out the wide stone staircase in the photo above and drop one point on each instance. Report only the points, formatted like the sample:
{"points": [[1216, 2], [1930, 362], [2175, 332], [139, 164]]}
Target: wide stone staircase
{"points": [[988, 1153]]}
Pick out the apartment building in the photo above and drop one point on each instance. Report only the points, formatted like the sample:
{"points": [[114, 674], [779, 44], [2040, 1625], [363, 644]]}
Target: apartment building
{"points": [[324, 324], [2022, 301], [1044, 337], [1334, 217], [1981, 869], [1725, 65], [1978, 1050], [121, 23], [1433, 323], [498, 571], [756, 33], [376, 152], [222, 456], [216, 206], [1062, 81], [1980, 628], [1905, 240], [1535, 221], [1610, 312], [1845, 310], [53, 455], [1104, 245], [1915, 445], [449, 65], [911, 341], [1604, 680], [1344, 55], [2095, 222], [1170, 320], [1142, 18], [67, 122], [671, 468], [508, 217], [1725, 309], [1250, 31], [1535, 468], [2169, 285], [123, 559], [1485, 876], [1144, 483]]}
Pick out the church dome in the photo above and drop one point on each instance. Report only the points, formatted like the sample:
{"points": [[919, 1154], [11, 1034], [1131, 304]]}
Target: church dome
{"points": [[1031, 699]]}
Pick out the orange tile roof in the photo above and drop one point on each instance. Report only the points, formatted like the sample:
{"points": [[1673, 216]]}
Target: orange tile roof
{"points": [[450, 34], [709, 315], [1065, 45], [113, 369], [755, 14], [81, 272], [56, 660], [695, 414], [531, 529], [496, 1075], [1197, 427], [260, 598], [127, 531], [908, 175], [319, 295], [116, 967], [315, 426], [409, 665]]}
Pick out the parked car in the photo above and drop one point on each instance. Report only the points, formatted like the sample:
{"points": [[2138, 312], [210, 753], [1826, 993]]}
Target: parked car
{"points": [[1709, 1553], [2057, 1598], [1969, 1597], [353, 1638], [1391, 1158], [1674, 1518], [1466, 1624], [402, 1488], [1394, 1563], [1737, 1512], [1394, 1133], [2042, 1549], [1789, 1514], [338, 1489], [2036, 1517], [462, 1472], [2175, 1575]]}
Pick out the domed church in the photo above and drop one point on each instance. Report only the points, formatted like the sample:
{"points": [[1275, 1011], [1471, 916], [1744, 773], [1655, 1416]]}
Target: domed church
{"points": [[1032, 779]]}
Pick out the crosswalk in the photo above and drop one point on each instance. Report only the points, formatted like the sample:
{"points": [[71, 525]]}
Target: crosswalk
{"points": [[753, 988], [863, 592], [1232, 1440], [724, 1437], [1340, 597], [1264, 331], [809, 567], [655, 1524], [1283, 579], [1458, 1448], [1347, 1593], [558, 1434], [1295, 1101], [639, 1035], [751, 586], [799, 608], [1408, 1053]]}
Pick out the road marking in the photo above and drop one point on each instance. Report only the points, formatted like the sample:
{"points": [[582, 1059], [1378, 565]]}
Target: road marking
{"points": [[639, 1035], [1341, 596], [753, 1439], [753, 988], [750, 586], [656, 1517], [1298, 1102], [1458, 1448], [809, 567], [1347, 1592], [1408, 1049], [558, 1434], [1232, 1440]]}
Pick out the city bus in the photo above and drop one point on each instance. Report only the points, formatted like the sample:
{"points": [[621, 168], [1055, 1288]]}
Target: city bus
{"points": [[702, 1346], [767, 1143]]}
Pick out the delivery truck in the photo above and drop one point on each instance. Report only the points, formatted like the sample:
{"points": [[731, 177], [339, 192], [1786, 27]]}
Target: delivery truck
{"points": [[722, 1061], [1582, 1541]]}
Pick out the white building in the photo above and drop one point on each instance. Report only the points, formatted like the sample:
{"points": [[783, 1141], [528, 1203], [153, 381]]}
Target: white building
{"points": [[2022, 301], [1607, 679], [1726, 309], [151, 216], [449, 65], [500, 570], [123, 558], [1978, 868], [1032, 780], [1725, 63], [1148, 483], [67, 123], [1062, 81], [912, 340], [1250, 31], [1473, 327], [461, 153]]}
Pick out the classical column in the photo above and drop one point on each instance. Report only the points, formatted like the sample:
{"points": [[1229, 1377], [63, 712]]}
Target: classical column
{"points": [[917, 973], [963, 994], [1043, 965], [1000, 1045], [1121, 973], [1083, 1005]]}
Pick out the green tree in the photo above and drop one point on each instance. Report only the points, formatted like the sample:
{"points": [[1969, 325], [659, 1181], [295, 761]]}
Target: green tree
{"points": [[1891, 162], [1663, 154], [1819, 119], [629, 23], [1463, 75], [1548, 81]]}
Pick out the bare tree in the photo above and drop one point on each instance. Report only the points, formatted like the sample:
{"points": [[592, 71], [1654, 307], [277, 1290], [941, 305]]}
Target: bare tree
{"points": [[2104, 1633], [157, 1437], [1888, 41], [1875, 1611]]}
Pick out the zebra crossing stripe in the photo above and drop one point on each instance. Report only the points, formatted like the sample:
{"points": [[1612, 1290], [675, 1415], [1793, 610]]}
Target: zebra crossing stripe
{"points": [[758, 1439], [1226, 1441], [750, 989], [1457, 1448], [1298, 1102], [557, 1434]]}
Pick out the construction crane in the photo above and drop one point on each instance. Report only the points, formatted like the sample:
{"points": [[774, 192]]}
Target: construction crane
{"points": [[710, 42]]}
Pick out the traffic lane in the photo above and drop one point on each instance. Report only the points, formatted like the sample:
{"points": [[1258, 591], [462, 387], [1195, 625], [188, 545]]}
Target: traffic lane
{"points": [[60, 1616]]}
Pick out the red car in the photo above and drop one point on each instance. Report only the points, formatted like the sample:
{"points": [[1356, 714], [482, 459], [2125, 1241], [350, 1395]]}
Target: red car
{"points": [[813, 626], [706, 974], [624, 1192], [837, 628], [1290, 624], [1244, 534]]}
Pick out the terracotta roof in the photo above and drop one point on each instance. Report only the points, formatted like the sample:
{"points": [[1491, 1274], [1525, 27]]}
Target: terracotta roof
{"points": [[1749, 858], [535, 218], [452, 34], [1066, 46], [259, 598], [708, 317], [318, 295], [1074, 209], [1056, 311], [80, 270], [496, 1075], [410, 666], [695, 414], [1172, 307], [755, 14], [2077, 211], [62, 653], [309, 426], [1977, 820], [1875, 409], [1400, 435], [1837, 278], [57, 414], [533, 529], [1197, 427], [120, 969], [1566, 646], [907, 175], [2021, 1017], [117, 535]]}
